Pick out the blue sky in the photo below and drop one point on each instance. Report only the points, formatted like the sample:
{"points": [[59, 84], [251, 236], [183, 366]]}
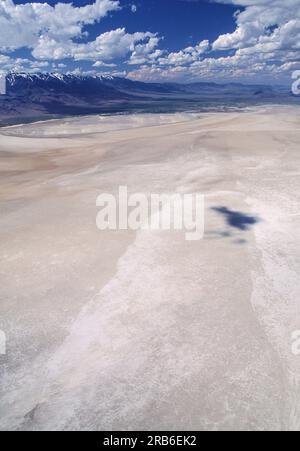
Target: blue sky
{"points": [[154, 40]]}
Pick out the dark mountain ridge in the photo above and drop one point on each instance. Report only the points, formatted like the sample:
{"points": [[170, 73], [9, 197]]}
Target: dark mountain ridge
{"points": [[39, 95]]}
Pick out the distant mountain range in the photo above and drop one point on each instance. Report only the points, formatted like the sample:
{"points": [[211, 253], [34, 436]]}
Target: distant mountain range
{"points": [[42, 95]]}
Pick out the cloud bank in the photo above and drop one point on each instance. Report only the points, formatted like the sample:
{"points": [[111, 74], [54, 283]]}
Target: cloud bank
{"points": [[265, 43]]}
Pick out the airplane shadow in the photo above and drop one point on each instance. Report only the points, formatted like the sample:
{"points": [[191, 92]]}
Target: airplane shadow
{"points": [[236, 219]]}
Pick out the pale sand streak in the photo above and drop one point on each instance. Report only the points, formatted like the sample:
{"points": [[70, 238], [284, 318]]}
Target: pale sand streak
{"points": [[148, 331]]}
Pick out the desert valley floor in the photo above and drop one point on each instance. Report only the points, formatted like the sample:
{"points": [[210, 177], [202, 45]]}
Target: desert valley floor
{"points": [[144, 330]]}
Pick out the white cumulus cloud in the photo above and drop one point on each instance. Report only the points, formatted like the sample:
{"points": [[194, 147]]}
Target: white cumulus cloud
{"points": [[24, 25], [264, 44]]}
